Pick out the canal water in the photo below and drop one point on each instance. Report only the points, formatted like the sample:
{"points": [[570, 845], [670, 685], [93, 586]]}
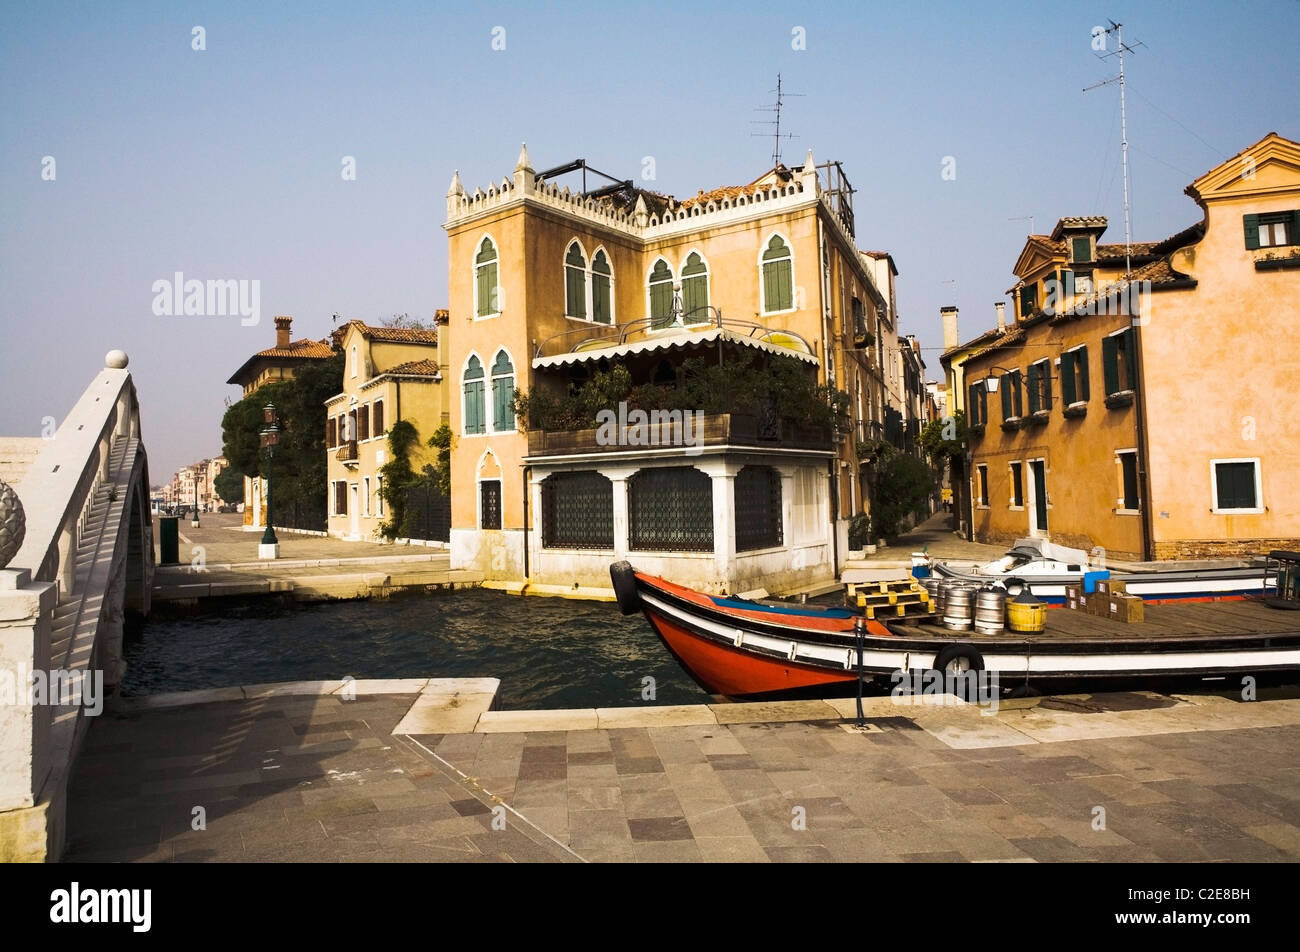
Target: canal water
{"points": [[548, 652]]}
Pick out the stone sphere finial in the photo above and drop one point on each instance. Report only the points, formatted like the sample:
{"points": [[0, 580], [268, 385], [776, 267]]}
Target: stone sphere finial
{"points": [[13, 523], [116, 360]]}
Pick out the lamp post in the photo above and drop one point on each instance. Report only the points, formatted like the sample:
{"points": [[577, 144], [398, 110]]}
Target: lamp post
{"points": [[269, 547], [194, 523]]}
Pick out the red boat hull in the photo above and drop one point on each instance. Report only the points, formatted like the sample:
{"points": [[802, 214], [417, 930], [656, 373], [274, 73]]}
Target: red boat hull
{"points": [[734, 672]]}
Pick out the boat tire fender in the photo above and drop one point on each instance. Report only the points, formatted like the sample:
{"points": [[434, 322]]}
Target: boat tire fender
{"points": [[624, 578], [951, 653]]}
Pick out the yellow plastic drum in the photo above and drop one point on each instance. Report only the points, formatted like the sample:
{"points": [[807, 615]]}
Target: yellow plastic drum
{"points": [[1026, 614]]}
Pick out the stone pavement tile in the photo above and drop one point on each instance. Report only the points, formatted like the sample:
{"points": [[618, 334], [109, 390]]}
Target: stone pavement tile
{"points": [[674, 754], [931, 803], [823, 814], [800, 784], [1078, 828], [638, 765], [483, 767], [934, 856], [724, 821], [548, 754], [593, 773], [1282, 808], [338, 789], [809, 853], [732, 762], [635, 782], [1185, 791], [133, 854], [774, 828], [458, 745], [405, 816], [1006, 821], [543, 770], [502, 746], [436, 802], [579, 758], [554, 821], [856, 846], [551, 738], [645, 804], [1283, 836], [1049, 849], [731, 849], [595, 797], [610, 824], [721, 741], [540, 793], [470, 807], [586, 741], [344, 806], [659, 828], [974, 795], [667, 851]]}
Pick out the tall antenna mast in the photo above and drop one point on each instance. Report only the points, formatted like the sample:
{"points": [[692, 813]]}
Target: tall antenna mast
{"points": [[775, 108], [1121, 49]]}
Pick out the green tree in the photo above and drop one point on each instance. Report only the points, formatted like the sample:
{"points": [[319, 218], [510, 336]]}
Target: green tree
{"points": [[945, 439], [229, 485], [901, 484], [398, 478]]}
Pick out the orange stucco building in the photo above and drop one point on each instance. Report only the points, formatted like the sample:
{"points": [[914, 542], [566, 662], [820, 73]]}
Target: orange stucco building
{"points": [[1149, 417]]}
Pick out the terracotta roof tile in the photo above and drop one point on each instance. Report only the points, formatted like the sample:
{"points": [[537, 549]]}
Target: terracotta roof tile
{"points": [[415, 368], [399, 335], [311, 349], [1078, 221]]}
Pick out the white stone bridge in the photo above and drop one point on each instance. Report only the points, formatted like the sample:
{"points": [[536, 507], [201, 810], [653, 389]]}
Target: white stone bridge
{"points": [[86, 557]]}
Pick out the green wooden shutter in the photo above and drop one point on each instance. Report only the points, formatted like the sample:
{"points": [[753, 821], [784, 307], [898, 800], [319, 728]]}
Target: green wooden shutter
{"points": [[1067, 379], [1130, 357], [1080, 249], [1081, 361], [1110, 364], [1026, 300], [1047, 386], [1033, 389], [1293, 230], [474, 415], [1006, 397], [1067, 280], [984, 403], [1251, 223]]}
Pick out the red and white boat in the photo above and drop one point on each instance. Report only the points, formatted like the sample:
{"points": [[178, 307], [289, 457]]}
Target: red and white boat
{"points": [[743, 648]]}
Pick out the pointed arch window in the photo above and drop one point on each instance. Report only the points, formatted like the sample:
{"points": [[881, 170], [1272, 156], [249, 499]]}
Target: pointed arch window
{"points": [[475, 421], [575, 283], [661, 294], [503, 391], [695, 290], [602, 298], [485, 280], [778, 277]]}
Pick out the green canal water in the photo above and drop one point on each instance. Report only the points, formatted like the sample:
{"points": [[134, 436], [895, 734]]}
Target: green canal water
{"points": [[548, 652]]}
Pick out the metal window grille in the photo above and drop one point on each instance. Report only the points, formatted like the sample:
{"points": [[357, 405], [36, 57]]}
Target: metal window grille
{"points": [[670, 510], [490, 503], [577, 511], [758, 508]]}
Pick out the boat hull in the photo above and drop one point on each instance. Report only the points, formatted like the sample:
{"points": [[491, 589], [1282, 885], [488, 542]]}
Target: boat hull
{"points": [[1153, 587], [744, 649]]}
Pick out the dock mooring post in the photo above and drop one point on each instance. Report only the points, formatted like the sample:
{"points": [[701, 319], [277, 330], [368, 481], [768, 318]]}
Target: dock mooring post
{"points": [[859, 637]]}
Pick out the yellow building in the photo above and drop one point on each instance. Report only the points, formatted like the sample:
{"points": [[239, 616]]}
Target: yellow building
{"points": [[271, 366], [1150, 417], [389, 374], [549, 287]]}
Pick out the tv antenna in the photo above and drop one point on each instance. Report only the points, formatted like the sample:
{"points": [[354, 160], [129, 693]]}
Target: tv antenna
{"points": [[775, 108], [1120, 50], [1028, 218]]}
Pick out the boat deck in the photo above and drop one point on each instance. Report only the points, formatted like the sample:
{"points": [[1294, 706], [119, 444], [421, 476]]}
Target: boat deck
{"points": [[1171, 621]]}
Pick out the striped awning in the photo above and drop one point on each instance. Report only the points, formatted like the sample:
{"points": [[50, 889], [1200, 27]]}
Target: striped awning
{"points": [[682, 339]]}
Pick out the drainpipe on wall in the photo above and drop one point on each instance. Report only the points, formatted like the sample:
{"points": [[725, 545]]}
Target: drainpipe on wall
{"points": [[1144, 480], [835, 513], [527, 470]]}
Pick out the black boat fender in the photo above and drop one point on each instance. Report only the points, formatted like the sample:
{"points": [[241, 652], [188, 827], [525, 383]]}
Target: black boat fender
{"points": [[624, 578], [956, 652]]}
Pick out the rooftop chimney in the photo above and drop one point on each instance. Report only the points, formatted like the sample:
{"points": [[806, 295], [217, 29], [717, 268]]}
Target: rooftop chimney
{"points": [[282, 323], [950, 336], [1001, 308]]}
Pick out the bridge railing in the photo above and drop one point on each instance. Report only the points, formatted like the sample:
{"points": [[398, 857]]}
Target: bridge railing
{"points": [[65, 477]]}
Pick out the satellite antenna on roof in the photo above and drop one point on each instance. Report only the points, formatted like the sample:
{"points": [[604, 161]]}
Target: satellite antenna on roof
{"points": [[775, 108], [1121, 49]]}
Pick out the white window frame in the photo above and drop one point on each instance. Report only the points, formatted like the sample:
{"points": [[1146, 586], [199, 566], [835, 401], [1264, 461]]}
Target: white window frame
{"points": [[591, 289], [379, 497], [473, 270], [487, 390], [1130, 388], [675, 283], [1077, 388], [1259, 487], [1011, 485], [1119, 465], [365, 496], [586, 280], [982, 502], [490, 408], [708, 285], [794, 287]]}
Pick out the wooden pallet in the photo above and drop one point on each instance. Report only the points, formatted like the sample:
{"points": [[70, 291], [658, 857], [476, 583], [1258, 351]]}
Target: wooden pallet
{"points": [[896, 599]]}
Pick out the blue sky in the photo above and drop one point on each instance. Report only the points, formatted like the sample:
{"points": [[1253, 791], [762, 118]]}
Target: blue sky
{"points": [[225, 163]]}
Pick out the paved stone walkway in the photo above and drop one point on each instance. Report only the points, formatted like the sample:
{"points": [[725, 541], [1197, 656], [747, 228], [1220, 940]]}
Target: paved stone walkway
{"points": [[320, 778]]}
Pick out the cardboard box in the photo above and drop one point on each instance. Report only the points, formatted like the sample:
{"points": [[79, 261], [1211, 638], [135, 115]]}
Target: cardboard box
{"points": [[1111, 586], [1095, 603], [1127, 608], [1074, 591]]}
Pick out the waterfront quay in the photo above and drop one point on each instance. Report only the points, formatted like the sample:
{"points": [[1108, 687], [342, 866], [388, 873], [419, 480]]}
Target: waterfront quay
{"points": [[428, 771], [219, 559]]}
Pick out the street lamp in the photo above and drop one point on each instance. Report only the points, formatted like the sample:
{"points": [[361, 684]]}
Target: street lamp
{"points": [[194, 523], [269, 548], [991, 382]]}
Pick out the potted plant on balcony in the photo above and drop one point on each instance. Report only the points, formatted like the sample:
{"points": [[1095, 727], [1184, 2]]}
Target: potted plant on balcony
{"points": [[860, 536]]}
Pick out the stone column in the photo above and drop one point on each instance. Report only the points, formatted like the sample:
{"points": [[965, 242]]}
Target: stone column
{"points": [[621, 526], [26, 613]]}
